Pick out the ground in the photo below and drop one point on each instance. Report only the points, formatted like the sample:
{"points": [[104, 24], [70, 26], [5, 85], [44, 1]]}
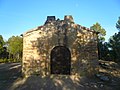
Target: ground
{"points": [[9, 72], [108, 78]]}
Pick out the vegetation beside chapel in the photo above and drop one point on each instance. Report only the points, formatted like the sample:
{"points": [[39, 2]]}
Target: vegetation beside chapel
{"points": [[11, 50]]}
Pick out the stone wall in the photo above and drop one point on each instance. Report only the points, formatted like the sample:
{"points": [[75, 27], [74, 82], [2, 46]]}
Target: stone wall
{"points": [[38, 43]]}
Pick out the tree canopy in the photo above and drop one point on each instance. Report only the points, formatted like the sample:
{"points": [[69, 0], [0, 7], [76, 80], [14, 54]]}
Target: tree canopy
{"points": [[98, 28], [111, 50], [118, 24], [114, 46], [15, 45], [1, 44]]}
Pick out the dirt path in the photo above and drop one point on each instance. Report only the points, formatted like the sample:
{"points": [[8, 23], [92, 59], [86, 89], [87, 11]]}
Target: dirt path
{"points": [[107, 79], [9, 72]]}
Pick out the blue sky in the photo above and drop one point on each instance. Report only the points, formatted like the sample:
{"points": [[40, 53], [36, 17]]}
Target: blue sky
{"points": [[18, 16]]}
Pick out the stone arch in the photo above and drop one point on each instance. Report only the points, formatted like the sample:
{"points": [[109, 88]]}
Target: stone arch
{"points": [[60, 61]]}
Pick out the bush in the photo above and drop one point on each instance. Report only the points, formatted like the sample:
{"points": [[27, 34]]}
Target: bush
{"points": [[1, 60]]}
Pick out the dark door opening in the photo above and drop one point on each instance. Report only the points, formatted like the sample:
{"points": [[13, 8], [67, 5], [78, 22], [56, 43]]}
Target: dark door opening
{"points": [[60, 60]]}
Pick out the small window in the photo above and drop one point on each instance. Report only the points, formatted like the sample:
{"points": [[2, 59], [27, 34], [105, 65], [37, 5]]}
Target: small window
{"points": [[60, 60]]}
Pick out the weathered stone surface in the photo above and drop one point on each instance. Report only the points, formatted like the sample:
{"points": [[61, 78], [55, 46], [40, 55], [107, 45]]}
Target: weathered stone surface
{"points": [[38, 43]]}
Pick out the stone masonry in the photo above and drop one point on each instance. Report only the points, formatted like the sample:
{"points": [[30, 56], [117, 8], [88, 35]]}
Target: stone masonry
{"points": [[39, 42]]}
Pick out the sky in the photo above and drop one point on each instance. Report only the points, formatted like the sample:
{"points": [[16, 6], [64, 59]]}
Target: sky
{"points": [[19, 16]]}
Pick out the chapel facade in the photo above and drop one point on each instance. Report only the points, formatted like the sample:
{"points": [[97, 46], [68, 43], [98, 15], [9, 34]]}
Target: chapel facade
{"points": [[60, 47]]}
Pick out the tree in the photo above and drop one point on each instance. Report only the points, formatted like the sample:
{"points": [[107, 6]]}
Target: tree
{"points": [[114, 46], [97, 27], [118, 24], [15, 45], [105, 52], [1, 45]]}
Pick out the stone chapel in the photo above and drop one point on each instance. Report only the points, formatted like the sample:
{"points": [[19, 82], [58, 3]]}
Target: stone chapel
{"points": [[60, 47]]}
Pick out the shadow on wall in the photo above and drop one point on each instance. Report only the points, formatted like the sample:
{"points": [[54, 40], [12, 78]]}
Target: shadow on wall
{"points": [[83, 49]]}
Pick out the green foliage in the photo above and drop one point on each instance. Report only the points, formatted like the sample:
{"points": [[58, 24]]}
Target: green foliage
{"points": [[12, 50], [114, 46], [97, 27], [105, 52], [1, 44], [3, 52], [15, 45], [118, 24], [108, 50], [5, 60]]}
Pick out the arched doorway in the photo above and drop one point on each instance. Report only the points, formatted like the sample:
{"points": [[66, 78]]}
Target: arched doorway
{"points": [[60, 60]]}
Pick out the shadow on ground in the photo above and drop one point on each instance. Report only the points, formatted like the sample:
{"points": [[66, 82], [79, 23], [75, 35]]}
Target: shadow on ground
{"points": [[53, 82], [10, 79], [9, 73], [108, 78]]}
